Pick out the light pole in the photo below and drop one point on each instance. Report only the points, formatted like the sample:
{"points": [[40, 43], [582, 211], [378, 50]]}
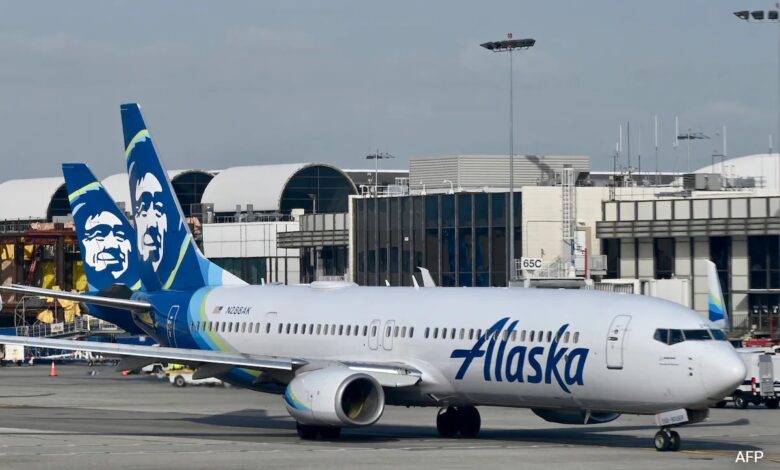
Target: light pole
{"points": [[509, 45], [770, 16], [376, 156], [689, 136]]}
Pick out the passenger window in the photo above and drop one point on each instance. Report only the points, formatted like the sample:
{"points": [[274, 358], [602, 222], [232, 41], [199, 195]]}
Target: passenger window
{"points": [[505, 335], [411, 332], [295, 329], [531, 337], [427, 332], [268, 328], [479, 333], [333, 330], [373, 330], [549, 336], [403, 332], [522, 336], [279, 330], [388, 330], [514, 336], [453, 332], [365, 330], [356, 330], [349, 330], [397, 330], [341, 330], [471, 333], [319, 328], [435, 333], [576, 336], [224, 326], [287, 329], [311, 328], [462, 333], [566, 337]]}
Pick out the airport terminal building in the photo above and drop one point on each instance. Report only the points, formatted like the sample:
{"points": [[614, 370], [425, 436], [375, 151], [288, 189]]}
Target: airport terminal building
{"points": [[297, 223]]}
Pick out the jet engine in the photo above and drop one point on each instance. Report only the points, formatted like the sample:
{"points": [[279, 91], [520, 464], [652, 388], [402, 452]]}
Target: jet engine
{"points": [[574, 416], [334, 396]]}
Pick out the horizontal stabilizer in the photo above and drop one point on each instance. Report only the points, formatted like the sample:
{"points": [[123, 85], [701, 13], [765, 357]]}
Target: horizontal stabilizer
{"points": [[124, 304], [191, 357]]}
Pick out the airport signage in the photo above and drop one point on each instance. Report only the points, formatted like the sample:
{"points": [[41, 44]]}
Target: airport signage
{"points": [[530, 264]]}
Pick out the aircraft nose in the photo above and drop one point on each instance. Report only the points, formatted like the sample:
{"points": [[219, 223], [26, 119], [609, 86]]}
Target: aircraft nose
{"points": [[723, 371]]}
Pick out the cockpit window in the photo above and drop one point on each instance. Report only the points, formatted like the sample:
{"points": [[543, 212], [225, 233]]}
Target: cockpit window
{"points": [[661, 335], [719, 335], [670, 337], [675, 336], [697, 335]]}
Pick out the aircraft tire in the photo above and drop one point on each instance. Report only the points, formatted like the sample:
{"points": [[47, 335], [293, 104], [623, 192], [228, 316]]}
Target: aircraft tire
{"points": [[179, 381], [772, 403], [330, 432], [469, 421], [661, 441], [305, 432], [447, 422], [740, 402], [674, 441]]}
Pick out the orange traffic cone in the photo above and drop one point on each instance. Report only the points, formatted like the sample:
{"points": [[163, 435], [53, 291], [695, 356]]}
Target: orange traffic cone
{"points": [[53, 371]]}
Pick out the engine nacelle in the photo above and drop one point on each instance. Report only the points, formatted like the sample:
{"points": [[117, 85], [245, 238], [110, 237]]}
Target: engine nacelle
{"points": [[335, 396], [574, 416]]}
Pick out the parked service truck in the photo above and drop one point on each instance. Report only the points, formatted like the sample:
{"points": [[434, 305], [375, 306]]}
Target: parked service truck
{"points": [[762, 382]]}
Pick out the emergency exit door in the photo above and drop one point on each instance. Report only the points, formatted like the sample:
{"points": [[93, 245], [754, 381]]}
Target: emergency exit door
{"points": [[615, 337]]}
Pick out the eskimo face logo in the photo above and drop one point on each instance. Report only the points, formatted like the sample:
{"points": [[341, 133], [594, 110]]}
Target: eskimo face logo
{"points": [[106, 246], [150, 219], [524, 363]]}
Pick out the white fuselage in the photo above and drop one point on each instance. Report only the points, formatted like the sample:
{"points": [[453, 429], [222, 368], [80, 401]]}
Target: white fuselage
{"points": [[606, 359]]}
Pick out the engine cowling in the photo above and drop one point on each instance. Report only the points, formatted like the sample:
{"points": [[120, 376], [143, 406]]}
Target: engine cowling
{"points": [[335, 396], [574, 416]]}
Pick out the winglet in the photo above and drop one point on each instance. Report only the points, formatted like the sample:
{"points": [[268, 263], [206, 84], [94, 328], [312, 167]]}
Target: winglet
{"points": [[717, 307]]}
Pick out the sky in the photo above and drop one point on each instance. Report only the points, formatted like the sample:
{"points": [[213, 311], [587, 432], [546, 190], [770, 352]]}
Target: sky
{"points": [[258, 82]]}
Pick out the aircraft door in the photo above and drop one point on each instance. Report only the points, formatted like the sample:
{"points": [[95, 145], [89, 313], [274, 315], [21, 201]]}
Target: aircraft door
{"points": [[615, 337], [387, 335], [171, 325], [373, 334]]}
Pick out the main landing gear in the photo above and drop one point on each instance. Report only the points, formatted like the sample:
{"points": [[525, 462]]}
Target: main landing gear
{"points": [[310, 433], [667, 440], [463, 420]]}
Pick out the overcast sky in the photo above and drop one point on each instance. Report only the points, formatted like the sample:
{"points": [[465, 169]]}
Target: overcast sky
{"points": [[248, 82]]}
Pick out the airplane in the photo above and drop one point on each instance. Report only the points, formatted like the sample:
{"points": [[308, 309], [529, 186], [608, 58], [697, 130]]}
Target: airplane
{"points": [[339, 353]]}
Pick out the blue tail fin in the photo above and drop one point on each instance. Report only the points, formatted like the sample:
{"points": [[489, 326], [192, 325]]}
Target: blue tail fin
{"points": [[169, 258], [106, 238], [717, 308]]}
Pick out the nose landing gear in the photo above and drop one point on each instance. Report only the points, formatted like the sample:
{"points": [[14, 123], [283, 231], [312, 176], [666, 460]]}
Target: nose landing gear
{"points": [[667, 440]]}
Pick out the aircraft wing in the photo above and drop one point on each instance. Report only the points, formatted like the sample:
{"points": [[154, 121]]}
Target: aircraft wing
{"points": [[150, 354], [125, 304], [211, 363]]}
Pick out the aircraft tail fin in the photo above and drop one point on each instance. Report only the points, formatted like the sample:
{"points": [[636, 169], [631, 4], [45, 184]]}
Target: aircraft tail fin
{"points": [[168, 256], [106, 238], [717, 307]]}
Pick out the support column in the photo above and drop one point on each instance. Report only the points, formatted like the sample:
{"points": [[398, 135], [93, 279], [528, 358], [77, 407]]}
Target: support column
{"points": [[700, 288], [628, 258], [645, 262]]}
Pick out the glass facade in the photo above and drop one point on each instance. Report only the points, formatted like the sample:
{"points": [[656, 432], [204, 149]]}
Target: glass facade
{"points": [[189, 189], [317, 189], [663, 257], [764, 265], [251, 270], [461, 239]]}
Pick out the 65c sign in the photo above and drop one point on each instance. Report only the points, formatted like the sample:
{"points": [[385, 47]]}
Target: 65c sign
{"points": [[530, 264]]}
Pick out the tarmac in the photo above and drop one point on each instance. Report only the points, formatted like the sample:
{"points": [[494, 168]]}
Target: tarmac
{"points": [[86, 420]]}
